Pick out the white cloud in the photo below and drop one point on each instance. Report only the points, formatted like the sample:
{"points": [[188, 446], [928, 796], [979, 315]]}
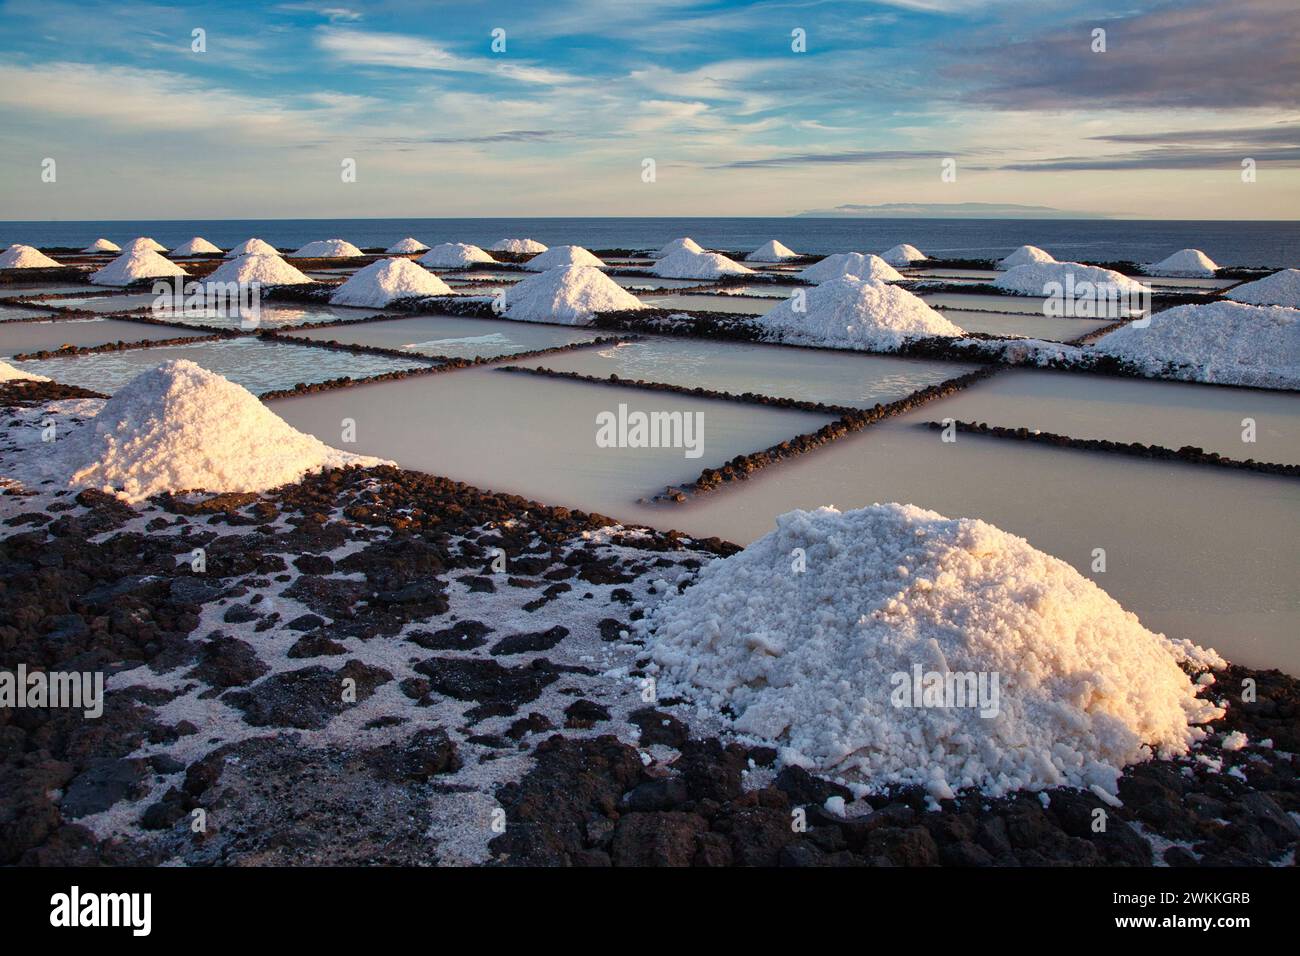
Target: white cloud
{"points": [[398, 51]]}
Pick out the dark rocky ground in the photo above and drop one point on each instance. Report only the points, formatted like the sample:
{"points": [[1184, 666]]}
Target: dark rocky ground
{"points": [[491, 716]]}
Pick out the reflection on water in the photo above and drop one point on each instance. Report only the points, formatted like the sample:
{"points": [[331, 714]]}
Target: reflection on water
{"points": [[26, 337], [454, 336], [1031, 326], [710, 303]]}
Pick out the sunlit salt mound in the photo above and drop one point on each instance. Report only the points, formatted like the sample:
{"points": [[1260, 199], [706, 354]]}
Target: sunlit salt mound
{"points": [[386, 281], [851, 264], [1044, 278], [19, 256], [132, 266], [102, 245], [454, 255], [179, 427], [262, 269], [824, 658], [854, 313], [1026, 256], [685, 264], [519, 245], [328, 249], [1184, 262], [903, 254], [10, 374], [252, 247], [407, 245], [567, 295], [557, 256], [1222, 342], [772, 251], [684, 244], [144, 242], [1281, 288], [198, 246]]}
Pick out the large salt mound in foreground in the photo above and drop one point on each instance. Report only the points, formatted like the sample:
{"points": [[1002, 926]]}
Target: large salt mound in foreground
{"points": [[1034, 279], [406, 246], [10, 374], [568, 295], [454, 255], [684, 244], [854, 313], [772, 251], [19, 256], [558, 256], [135, 265], [524, 246], [328, 249], [198, 246], [386, 281], [263, 269], [1026, 256], [818, 662], [252, 247], [179, 427], [102, 245], [1184, 262], [1281, 288], [1221, 342], [685, 264], [851, 264], [903, 254]]}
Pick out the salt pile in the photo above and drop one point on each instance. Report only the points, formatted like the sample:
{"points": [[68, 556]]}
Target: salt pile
{"points": [[851, 264], [10, 374], [685, 264], [387, 280], [903, 254], [1222, 342], [454, 255], [198, 246], [1281, 288], [328, 249], [1036, 278], [1026, 256], [102, 245], [134, 265], [567, 295], [144, 242], [407, 245], [558, 256], [771, 251], [262, 269], [851, 666], [854, 313], [684, 244], [19, 256], [1184, 262], [179, 427], [519, 245], [254, 247]]}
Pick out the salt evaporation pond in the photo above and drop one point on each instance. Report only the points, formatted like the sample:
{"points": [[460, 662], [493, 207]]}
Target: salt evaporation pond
{"points": [[254, 363], [14, 313], [24, 337], [271, 315], [811, 375], [920, 272], [454, 336], [1013, 304], [1030, 326], [710, 303], [654, 282], [766, 291], [28, 291], [110, 302]]}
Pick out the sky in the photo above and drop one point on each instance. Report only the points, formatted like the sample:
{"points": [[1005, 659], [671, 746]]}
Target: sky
{"points": [[765, 108]]}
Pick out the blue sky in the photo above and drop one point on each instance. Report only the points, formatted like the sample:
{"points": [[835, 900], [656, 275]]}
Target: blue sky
{"points": [[736, 121]]}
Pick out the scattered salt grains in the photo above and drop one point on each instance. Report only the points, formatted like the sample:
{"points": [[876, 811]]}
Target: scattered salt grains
{"points": [[1235, 740], [834, 805]]}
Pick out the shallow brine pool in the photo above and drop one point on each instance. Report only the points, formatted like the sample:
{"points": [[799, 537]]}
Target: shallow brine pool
{"points": [[710, 303], [269, 316], [1031, 326], [23, 337], [454, 336]]}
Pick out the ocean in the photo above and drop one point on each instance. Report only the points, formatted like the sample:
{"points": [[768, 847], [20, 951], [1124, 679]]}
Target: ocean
{"points": [[1263, 244]]}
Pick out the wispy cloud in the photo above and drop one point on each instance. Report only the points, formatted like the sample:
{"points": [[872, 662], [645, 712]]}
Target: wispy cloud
{"points": [[857, 157], [398, 51]]}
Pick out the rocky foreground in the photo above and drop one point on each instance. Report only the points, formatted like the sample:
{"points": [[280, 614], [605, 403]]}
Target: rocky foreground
{"points": [[377, 666]]}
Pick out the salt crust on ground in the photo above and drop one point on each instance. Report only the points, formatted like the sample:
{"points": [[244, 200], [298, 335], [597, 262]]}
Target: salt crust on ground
{"points": [[133, 265], [519, 245], [264, 269], [144, 242], [179, 427], [1033, 279], [806, 660], [771, 251], [9, 373], [454, 255], [407, 245], [328, 249], [685, 264], [19, 256], [1184, 262], [102, 245], [252, 247], [903, 254], [569, 295], [557, 256], [851, 264], [684, 244], [1026, 256], [1223, 342], [198, 246], [1281, 288], [387, 280], [858, 314]]}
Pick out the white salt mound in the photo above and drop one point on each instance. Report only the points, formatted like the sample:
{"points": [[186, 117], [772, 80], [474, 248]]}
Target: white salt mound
{"points": [[771, 251], [1281, 288], [685, 264], [558, 256], [133, 265], [252, 247], [684, 244], [519, 245], [198, 246], [179, 427], [144, 242], [386, 281], [1026, 256], [10, 374], [567, 295], [1222, 342], [808, 661], [1184, 262], [263, 269], [19, 256], [851, 264], [328, 249], [1034, 279], [454, 255], [407, 245], [903, 254], [854, 313], [102, 245]]}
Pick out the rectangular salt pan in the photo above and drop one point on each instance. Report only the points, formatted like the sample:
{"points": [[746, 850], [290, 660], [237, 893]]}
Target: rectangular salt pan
{"points": [[710, 303], [1030, 326], [23, 337], [453, 336]]}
